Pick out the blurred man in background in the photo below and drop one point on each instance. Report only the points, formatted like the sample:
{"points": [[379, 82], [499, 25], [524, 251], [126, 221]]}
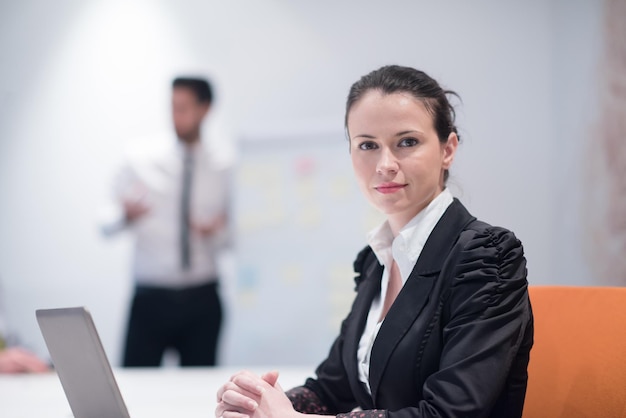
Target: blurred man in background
{"points": [[174, 201]]}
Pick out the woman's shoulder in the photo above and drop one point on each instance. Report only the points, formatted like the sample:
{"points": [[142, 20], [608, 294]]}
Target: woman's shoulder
{"points": [[480, 233], [488, 251], [468, 232]]}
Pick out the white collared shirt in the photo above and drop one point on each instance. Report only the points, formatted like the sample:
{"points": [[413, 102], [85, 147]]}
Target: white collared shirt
{"points": [[155, 175], [405, 249]]}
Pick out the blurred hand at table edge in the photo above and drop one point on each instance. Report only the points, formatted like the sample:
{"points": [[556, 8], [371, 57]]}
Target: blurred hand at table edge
{"points": [[16, 360]]}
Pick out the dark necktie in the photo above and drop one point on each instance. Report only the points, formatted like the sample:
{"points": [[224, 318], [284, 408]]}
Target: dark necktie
{"points": [[185, 203]]}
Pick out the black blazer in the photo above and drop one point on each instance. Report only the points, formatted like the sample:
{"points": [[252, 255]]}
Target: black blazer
{"points": [[456, 341]]}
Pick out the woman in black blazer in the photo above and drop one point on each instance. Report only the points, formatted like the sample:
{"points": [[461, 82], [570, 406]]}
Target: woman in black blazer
{"points": [[441, 325]]}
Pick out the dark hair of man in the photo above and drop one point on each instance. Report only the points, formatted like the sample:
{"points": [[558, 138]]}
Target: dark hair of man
{"points": [[201, 88]]}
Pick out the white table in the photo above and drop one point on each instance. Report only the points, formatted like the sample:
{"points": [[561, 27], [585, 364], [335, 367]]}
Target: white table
{"points": [[149, 393]]}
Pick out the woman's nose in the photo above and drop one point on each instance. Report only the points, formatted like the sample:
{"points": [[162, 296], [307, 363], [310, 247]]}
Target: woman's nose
{"points": [[387, 162]]}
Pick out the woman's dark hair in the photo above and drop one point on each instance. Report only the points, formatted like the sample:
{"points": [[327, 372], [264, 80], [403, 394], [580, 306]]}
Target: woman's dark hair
{"points": [[396, 79], [200, 87]]}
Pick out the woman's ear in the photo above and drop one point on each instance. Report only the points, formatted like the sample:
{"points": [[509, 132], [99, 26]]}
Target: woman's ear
{"points": [[449, 149]]}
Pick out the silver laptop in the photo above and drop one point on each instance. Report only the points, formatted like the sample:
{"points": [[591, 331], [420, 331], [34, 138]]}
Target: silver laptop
{"points": [[80, 362]]}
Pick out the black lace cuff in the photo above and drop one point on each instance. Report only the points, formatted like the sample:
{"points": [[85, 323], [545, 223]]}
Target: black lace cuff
{"points": [[372, 413], [306, 401]]}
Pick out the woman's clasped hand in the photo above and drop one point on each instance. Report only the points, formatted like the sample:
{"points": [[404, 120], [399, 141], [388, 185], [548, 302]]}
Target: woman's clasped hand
{"points": [[247, 395]]}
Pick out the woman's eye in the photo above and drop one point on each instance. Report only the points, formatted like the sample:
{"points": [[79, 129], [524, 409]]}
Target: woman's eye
{"points": [[408, 142], [368, 145]]}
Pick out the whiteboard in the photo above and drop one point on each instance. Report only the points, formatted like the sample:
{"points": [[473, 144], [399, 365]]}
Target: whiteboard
{"points": [[300, 220]]}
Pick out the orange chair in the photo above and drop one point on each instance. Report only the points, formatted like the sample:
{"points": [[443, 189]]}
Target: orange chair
{"points": [[578, 363]]}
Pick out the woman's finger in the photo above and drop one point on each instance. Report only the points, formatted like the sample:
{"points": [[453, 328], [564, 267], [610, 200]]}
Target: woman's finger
{"points": [[239, 400], [219, 409], [226, 386], [223, 407], [250, 382], [232, 386], [231, 414], [270, 377]]}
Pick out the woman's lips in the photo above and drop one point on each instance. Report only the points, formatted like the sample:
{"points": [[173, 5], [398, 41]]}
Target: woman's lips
{"points": [[387, 188]]}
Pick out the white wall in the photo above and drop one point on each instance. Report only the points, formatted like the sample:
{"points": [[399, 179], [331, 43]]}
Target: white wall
{"points": [[576, 111], [78, 79]]}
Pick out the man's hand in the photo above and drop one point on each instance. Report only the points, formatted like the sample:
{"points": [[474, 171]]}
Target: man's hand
{"points": [[207, 228], [134, 209]]}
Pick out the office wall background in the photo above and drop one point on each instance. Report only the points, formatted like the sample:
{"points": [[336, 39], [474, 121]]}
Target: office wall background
{"points": [[80, 79]]}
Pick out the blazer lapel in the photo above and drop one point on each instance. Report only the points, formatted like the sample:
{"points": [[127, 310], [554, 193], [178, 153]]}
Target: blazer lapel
{"points": [[417, 289], [369, 288]]}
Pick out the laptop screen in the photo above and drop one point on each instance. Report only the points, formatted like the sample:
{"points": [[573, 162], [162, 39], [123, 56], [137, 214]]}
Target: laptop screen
{"points": [[81, 363]]}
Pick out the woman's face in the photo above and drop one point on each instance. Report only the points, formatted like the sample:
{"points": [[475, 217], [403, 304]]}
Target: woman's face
{"points": [[396, 154]]}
